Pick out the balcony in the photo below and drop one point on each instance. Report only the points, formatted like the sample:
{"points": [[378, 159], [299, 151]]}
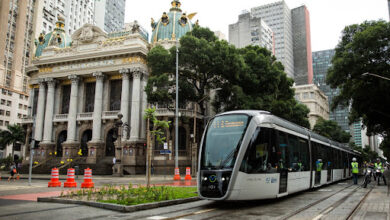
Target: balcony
{"points": [[27, 120], [85, 116], [60, 118], [110, 115]]}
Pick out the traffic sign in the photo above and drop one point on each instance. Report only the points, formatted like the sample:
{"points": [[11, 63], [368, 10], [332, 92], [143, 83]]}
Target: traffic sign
{"points": [[165, 152]]}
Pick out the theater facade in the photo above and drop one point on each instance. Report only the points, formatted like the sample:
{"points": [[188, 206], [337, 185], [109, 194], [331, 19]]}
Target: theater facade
{"points": [[87, 100]]}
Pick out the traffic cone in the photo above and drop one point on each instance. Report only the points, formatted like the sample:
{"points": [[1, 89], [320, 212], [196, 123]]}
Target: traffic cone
{"points": [[87, 179], [188, 174], [70, 179], [177, 174], [54, 182]]}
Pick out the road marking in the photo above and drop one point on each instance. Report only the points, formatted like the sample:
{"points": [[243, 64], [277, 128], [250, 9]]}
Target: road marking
{"points": [[13, 187], [325, 190], [323, 213], [157, 217]]}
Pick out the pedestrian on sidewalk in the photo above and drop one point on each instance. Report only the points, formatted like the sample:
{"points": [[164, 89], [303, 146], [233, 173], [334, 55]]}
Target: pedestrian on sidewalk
{"points": [[12, 172]]}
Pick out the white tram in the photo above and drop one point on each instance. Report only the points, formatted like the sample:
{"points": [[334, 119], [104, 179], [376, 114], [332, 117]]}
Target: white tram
{"points": [[248, 155]]}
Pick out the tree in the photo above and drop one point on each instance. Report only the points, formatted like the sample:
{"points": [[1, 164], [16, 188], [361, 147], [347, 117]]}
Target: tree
{"points": [[366, 153], [248, 78], [150, 116], [332, 130], [385, 147], [261, 84], [364, 48], [12, 135], [202, 61]]}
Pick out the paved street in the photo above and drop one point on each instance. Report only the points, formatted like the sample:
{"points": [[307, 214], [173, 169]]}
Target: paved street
{"points": [[336, 201]]}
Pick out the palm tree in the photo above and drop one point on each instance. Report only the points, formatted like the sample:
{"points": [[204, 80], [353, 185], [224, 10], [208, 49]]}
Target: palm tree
{"points": [[14, 134]]}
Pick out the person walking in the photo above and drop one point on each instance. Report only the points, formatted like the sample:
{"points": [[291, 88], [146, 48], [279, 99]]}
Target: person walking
{"points": [[13, 172], [355, 170]]}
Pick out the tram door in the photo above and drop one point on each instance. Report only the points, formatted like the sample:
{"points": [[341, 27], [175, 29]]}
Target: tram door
{"points": [[344, 160], [283, 161]]}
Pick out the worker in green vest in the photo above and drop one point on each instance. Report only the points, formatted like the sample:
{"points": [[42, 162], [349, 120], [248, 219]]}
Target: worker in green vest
{"points": [[319, 165], [378, 166], [355, 170]]}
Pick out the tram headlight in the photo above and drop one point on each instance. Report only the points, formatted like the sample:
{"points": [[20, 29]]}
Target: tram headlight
{"points": [[223, 179], [205, 178]]}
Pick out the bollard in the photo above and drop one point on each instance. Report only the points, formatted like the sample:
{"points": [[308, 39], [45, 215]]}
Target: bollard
{"points": [[54, 182], [70, 179], [188, 174], [177, 174], [87, 179]]}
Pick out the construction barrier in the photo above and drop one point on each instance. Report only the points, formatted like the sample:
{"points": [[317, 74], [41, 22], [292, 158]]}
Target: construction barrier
{"points": [[87, 179], [70, 179], [177, 174], [54, 182], [188, 174]]}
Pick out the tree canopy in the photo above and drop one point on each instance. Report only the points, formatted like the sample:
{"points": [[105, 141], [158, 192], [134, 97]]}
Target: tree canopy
{"points": [[364, 48], [332, 130], [12, 135], [248, 78]]}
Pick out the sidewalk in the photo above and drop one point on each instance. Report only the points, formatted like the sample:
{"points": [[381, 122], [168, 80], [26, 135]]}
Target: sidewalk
{"points": [[375, 206]]}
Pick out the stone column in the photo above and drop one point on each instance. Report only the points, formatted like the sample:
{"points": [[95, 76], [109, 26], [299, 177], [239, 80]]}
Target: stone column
{"points": [[40, 111], [47, 145], [96, 145], [135, 104], [98, 107], [31, 102], [125, 99], [71, 145], [49, 111], [143, 107]]}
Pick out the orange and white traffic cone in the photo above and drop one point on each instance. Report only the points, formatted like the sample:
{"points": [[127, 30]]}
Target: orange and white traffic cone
{"points": [[177, 174], [188, 174], [87, 179], [70, 179], [54, 182]]}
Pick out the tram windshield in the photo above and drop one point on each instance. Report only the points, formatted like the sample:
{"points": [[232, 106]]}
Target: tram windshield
{"points": [[222, 141]]}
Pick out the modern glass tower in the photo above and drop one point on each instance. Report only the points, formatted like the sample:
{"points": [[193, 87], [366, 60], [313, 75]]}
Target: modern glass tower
{"points": [[322, 60]]}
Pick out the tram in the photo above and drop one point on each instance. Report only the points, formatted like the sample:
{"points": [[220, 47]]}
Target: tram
{"points": [[250, 155]]}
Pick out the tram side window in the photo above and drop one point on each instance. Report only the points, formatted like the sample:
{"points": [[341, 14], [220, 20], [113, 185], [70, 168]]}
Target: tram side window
{"points": [[283, 148], [324, 157], [297, 154], [329, 154], [304, 149], [261, 153]]}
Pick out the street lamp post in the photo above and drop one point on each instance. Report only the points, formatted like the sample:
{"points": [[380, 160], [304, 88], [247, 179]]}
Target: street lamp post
{"points": [[376, 75], [118, 169], [177, 109]]}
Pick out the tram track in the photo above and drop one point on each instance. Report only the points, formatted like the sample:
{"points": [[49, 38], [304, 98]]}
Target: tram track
{"points": [[354, 211], [313, 203]]}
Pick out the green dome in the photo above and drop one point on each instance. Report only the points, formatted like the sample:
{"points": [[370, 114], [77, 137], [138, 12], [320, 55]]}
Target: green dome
{"points": [[57, 38], [172, 25]]}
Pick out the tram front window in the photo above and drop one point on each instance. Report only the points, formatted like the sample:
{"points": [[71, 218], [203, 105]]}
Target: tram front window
{"points": [[222, 142]]}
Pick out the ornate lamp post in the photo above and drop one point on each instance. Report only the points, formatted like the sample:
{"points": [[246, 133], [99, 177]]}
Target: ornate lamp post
{"points": [[119, 126]]}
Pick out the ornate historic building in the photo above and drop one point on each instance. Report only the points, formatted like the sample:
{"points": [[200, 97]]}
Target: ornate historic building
{"points": [[79, 85]]}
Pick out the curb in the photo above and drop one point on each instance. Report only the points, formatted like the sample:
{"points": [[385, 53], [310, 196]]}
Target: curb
{"points": [[120, 208]]}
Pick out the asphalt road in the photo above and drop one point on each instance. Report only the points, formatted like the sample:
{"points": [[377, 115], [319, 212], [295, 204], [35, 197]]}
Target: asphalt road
{"points": [[335, 201]]}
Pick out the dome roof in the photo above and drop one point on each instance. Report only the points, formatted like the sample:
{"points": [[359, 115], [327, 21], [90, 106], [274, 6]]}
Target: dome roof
{"points": [[57, 38], [172, 25]]}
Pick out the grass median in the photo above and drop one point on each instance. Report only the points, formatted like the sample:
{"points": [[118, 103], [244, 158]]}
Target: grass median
{"points": [[131, 195]]}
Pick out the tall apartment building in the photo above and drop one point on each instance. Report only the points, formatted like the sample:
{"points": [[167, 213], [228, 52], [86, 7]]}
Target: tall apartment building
{"points": [[303, 68], [16, 29], [278, 17], [322, 60], [251, 31], [292, 38], [110, 15]]}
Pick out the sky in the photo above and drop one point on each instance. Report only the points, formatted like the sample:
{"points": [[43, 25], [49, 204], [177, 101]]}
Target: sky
{"points": [[327, 17]]}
